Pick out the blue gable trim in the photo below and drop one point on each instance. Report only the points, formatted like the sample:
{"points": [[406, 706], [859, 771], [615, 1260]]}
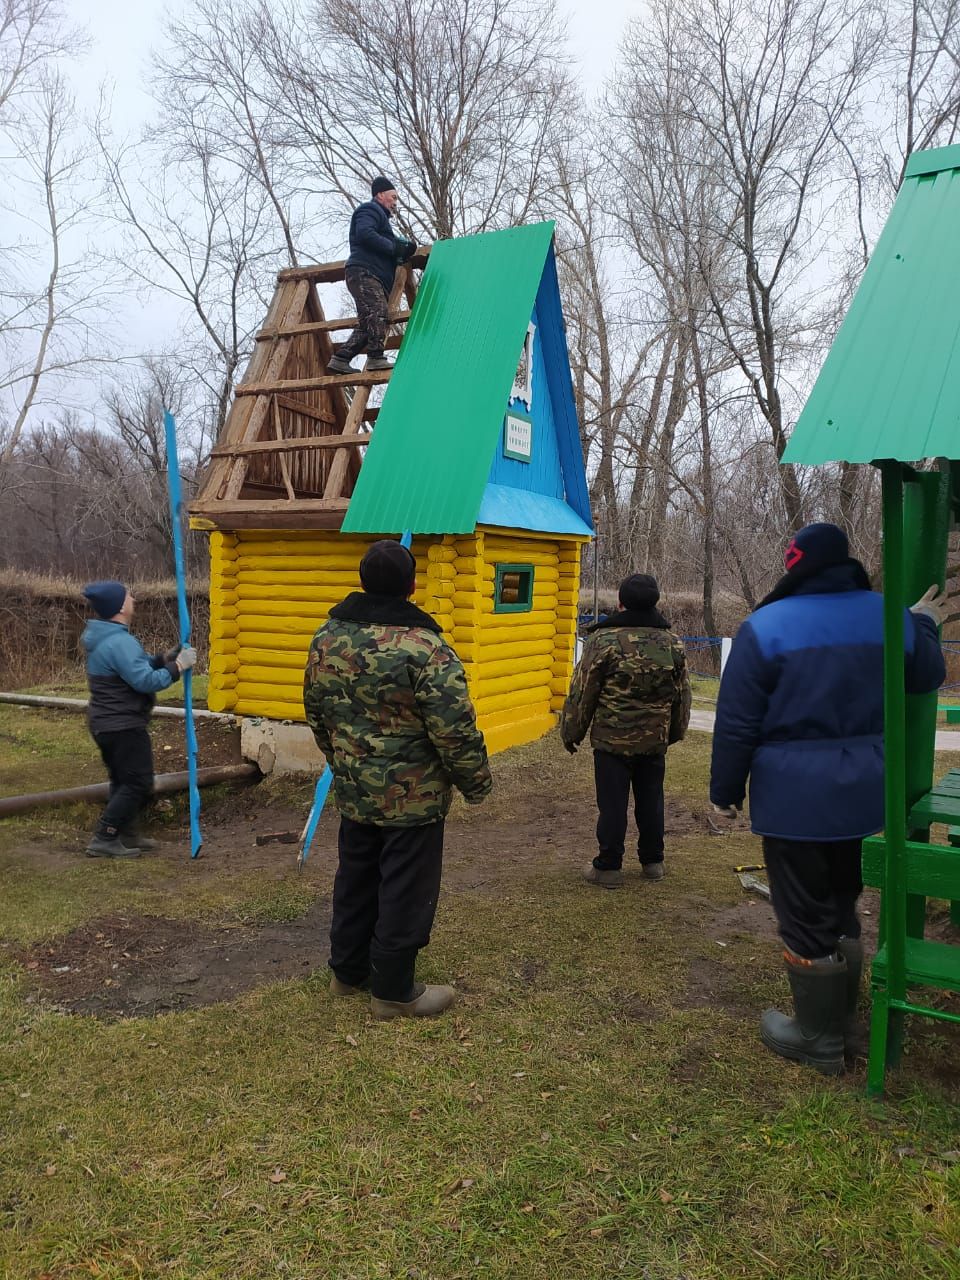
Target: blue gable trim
{"points": [[560, 382], [556, 468], [520, 509]]}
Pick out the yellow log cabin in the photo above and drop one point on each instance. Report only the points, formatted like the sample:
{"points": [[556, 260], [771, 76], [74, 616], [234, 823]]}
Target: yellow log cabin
{"points": [[474, 450]]}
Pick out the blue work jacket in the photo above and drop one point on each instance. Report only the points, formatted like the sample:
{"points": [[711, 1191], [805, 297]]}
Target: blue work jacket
{"points": [[373, 246], [124, 680], [800, 710]]}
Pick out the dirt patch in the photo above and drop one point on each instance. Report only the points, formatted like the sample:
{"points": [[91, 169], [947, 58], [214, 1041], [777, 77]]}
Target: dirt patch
{"points": [[137, 966], [752, 918], [218, 742], [711, 985]]}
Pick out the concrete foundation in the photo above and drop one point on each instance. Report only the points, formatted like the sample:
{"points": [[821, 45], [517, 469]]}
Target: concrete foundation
{"points": [[280, 746]]}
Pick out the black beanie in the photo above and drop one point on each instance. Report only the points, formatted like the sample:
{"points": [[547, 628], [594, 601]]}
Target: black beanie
{"points": [[388, 569], [379, 185], [639, 591], [106, 598], [816, 546]]}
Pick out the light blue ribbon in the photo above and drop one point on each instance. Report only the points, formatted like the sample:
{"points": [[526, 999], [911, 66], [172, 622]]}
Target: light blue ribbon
{"points": [[176, 516]]}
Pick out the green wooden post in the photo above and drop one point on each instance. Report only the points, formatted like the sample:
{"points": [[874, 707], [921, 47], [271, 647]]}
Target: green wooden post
{"points": [[886, 1025], [926, 524]]}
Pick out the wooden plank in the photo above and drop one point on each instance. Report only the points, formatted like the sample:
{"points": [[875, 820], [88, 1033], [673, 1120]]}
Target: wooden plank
{"points": [[362, 379], [341, 462], [338, 470], [932, 870], [928, 964], [277, 358], [291, 445], [239, 412], [332, 272], [326, 326], [284, 468], [265, 505], [248, 516], [308, 410]]}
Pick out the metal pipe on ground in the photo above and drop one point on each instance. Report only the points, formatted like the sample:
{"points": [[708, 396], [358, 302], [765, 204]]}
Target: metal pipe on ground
{"points": [[163, 784], [80, 704]]}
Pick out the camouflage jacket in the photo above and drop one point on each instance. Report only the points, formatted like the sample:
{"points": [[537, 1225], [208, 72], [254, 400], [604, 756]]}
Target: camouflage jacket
{"points": [[630, 689], [387, 701]]}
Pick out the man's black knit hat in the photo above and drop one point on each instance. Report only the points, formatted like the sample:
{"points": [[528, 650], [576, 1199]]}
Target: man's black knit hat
{"points": [[381, 184], [816, 546], [388, 569], [639, 591]]}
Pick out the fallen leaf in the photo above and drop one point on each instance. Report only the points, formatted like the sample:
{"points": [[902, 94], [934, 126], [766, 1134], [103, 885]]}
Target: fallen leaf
{"points": [[545, 1095], [596, 1232], [458, 1184], [665, 1196], [527, 1208], [352, 1040], [277, 1176], [49, 1170]]}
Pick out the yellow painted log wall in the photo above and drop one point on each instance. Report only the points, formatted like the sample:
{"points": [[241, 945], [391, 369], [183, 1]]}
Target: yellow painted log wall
{"points": [[270, 590], [520, 660]]}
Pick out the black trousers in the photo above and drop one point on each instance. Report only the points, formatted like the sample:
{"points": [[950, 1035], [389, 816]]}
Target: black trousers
{"points": [[814, 887], [371, 331], [615, 777], [384, 901], [128, 755]]}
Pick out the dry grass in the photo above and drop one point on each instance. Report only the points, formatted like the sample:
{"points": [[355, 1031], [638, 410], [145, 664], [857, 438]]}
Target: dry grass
{"points": [[590, 1111]]}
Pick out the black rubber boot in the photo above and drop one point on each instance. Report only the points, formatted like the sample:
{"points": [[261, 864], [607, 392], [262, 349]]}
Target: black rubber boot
{"points": [[856, 1038], [815, 1035]]}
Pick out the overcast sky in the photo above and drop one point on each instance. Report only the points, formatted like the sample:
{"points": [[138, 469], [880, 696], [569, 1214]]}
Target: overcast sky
{"points": [[122, 35], [124, 31]]}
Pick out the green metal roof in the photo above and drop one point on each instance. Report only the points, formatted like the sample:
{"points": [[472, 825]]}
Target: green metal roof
{"points": [[428, 462], [890, 386]]}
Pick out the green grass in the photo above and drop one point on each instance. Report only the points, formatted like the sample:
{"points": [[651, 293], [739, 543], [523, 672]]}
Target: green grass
{"points": [[586, 1113]]}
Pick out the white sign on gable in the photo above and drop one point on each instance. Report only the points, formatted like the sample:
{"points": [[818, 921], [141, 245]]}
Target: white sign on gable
{"points": [[518, 437]]}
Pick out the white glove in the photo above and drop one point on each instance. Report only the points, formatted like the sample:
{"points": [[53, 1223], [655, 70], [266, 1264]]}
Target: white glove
{"points": [[186, 658], [933, 603], [726, 811]]}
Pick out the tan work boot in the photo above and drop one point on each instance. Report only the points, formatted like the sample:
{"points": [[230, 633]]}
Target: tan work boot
{"points": [[427, 1003], [338, 988], [602, 879]]}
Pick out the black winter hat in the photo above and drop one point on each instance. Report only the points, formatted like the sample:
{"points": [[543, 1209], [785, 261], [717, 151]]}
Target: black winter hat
{"points": [[639, 591], [816, 546], [388, 569], [106, 598], [379, 185]]}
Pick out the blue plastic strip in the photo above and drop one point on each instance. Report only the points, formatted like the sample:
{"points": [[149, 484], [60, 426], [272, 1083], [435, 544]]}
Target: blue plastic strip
{"points": [[316, 809], [406, 538], [176, 517]]}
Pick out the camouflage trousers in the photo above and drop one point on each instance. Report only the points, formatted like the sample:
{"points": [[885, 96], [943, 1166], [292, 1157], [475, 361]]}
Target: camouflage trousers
{"points": [[371, 331]]}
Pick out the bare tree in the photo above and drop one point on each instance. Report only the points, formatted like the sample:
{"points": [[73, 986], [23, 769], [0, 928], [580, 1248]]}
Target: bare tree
{"points": [[49, 329], [769, 89], [213, 70], [200, 234], [455, 99], [924, 60], [32, 36]]}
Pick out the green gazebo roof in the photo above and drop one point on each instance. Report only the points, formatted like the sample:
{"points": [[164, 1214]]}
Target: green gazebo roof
{"points": [[890, 386]]}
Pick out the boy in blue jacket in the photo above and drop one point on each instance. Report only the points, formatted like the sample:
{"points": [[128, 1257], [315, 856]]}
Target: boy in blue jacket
{"points": [[800, 710], [123, 682]]}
